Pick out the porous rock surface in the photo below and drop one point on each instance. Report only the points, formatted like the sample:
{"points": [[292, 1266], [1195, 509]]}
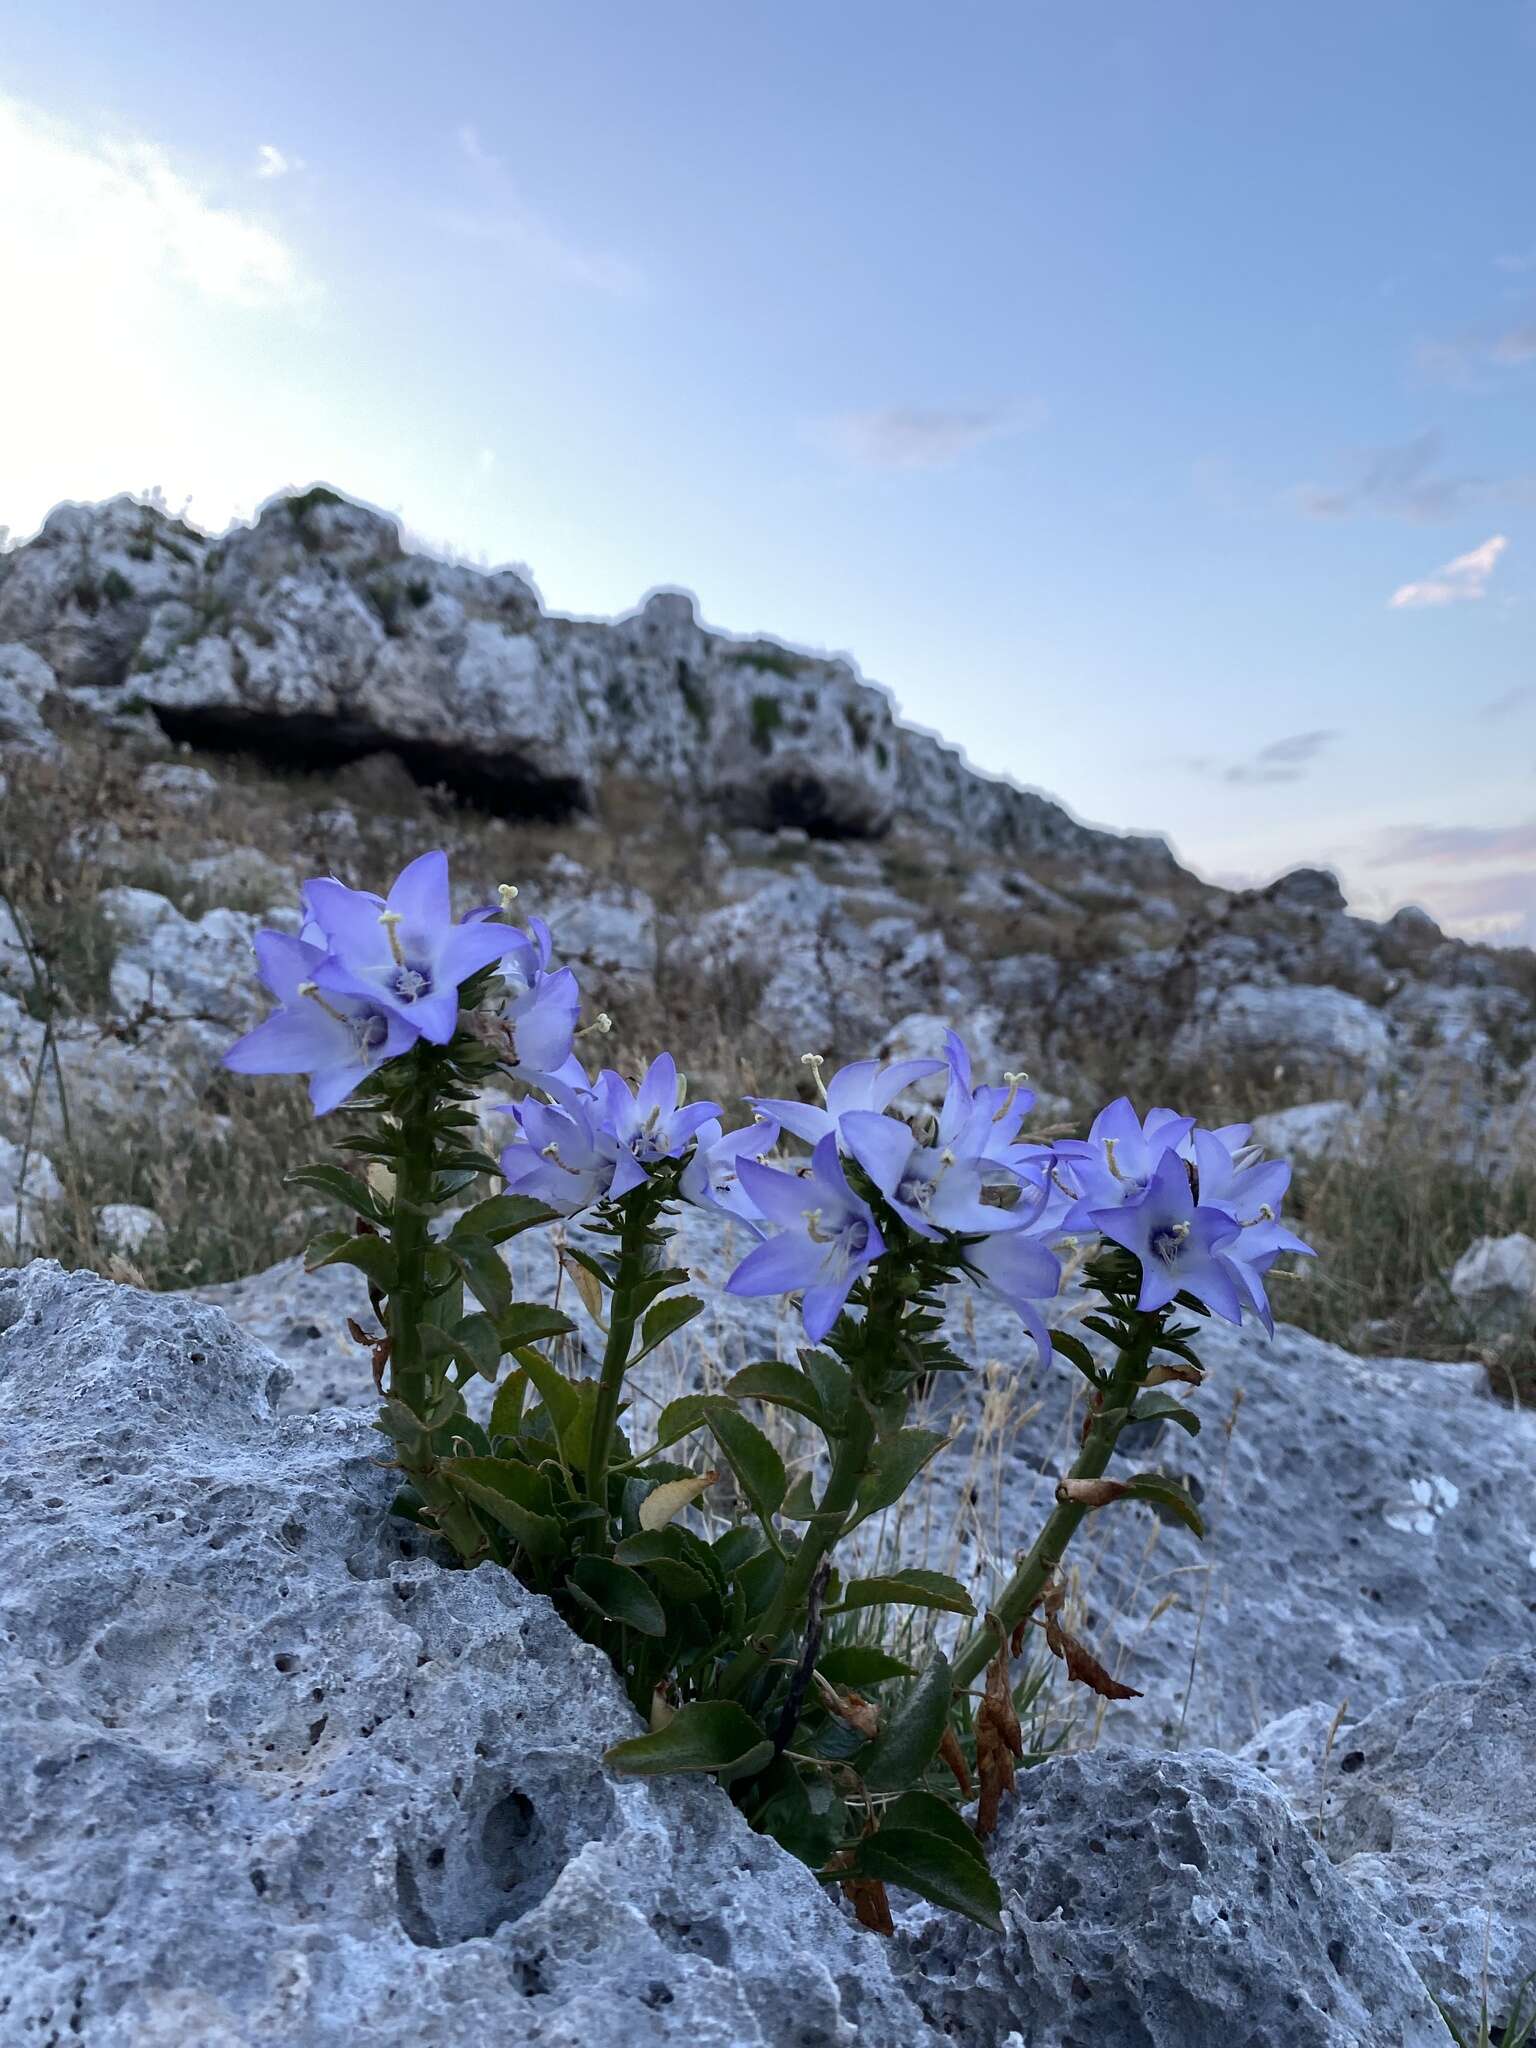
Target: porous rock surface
{"points": [[270, 1779], [1168, 1902]]}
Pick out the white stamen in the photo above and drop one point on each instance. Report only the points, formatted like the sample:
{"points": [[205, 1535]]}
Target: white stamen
{"points": [[312, 990], [391, 919], [815, 1062], [506, 894]]}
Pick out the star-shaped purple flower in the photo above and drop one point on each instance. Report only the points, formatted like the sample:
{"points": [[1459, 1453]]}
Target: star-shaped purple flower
{"points": [[334, 1037], [1183, 1246], [827, 1237]]}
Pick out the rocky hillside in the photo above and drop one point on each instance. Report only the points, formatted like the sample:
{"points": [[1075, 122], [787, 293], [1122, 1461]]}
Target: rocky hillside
{"points": [[314, 637]]}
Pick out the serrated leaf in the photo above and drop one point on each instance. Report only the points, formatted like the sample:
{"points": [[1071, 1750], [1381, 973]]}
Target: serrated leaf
{"points": [[618, 1594], [664, 1321], [1163, 1408], [1158, 1490], [513, 1495], [475, 1340], [342, 1187], [783, 1385], [799, 1504], [910, 1739], [912, 1586], [507, 1408], [671, 1497], [859, 1664], [530, 1322], [485, 1275], [935, 1867], [717, 1736], [833, 1384], [683, 1567], [683, 1416], [758, 1467], [371, 1255], [737, 1545], [1076, 1352], [894, 1463], [501, 1217]]}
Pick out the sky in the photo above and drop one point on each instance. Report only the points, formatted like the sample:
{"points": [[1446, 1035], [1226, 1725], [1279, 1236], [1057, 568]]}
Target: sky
{"points": [[1147, 397]]}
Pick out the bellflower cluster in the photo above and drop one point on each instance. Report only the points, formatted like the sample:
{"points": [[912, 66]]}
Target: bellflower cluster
{"points": [[1199, 1209], [597, 1141], [960, 1179], [370, 976]]}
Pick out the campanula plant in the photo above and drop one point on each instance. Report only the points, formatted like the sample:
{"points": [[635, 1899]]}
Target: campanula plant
{"points": [[871, 1220]]}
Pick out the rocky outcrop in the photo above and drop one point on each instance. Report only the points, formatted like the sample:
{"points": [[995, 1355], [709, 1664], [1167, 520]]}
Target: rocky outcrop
{"points": [[274, 1779], [1493, 1283], [314, 635], [1168, 1902]]}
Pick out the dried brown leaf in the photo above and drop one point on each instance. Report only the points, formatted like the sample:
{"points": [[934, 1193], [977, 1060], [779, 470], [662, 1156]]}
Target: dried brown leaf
{"points": [[1090, 1493], [952, 1754], [1160, 1375], [999, 1739], [1083, 1666], [851, 1707], [871, 1907], [673, 1495]]}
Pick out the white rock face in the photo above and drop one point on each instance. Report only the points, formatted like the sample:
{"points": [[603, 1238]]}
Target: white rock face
{"points": [[1494, 1284], [1300, 1029], [1169, 1902], [314, 629], [273, 1779], [127, 1226], [26, 684], [1311, 1130], [28, 1184], [198, 968]]}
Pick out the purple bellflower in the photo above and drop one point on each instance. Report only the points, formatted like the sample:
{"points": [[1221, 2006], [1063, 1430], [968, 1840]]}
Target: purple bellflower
{"points": [[403, 952], [648, 1123], [712, 1178], [865, 1085], [1183, 1246], [336, 1038], [1250, 1191], [1116, 1163], [827, 1237], [1018, 1270], [559, 1156]]}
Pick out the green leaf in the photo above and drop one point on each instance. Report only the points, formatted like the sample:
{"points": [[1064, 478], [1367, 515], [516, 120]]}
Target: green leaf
{"points": [[799, 1504], [804, 1817], [759, 1580], [461, 1158], [1076, 1352], [530, 1322], [757, 1465], [861, 1664], [834, 1387], [908, 1742], [784, 1385], [1158, 1490], [683, 1573], [476, 1342], [562, 1403], [1163, 1408], [737, 1545], [910, 1587], [343, 1186], [933, 1866], [931, 1815], [710, 1735], [507, 1408], [664, 1321], [894, 1463], [600, 1269], [371, 1255], [501, 1217], [485, 1275], [682, 1417], [514, 1495], [618, 1594]]}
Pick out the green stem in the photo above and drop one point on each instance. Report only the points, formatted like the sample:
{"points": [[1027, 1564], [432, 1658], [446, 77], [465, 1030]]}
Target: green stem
{"points": [[850, 1460], [1022, 1593], [637, 1212], [410, 1378]]}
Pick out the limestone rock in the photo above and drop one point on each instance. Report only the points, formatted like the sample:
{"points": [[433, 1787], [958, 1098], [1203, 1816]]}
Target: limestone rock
{"points": [[1309, 1130], [274, 1779], [28, 1184], [1494, 1285], [1299, 1029], [1168, 1902], [127, 1226], [198, 968], [1429, 1811], [26, 684]]}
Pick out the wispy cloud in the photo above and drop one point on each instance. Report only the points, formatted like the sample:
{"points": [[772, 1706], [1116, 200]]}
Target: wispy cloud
{"points": [[1401, 480], [1451, 845], [923, 437], [1465, 360], [271, 162], [117, 213], [1510, 702], [1283, 760], [1461, 581], [506, 219]]}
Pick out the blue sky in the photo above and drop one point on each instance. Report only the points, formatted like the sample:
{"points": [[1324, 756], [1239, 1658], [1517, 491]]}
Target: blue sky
{"points": [[1148, 397]]}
